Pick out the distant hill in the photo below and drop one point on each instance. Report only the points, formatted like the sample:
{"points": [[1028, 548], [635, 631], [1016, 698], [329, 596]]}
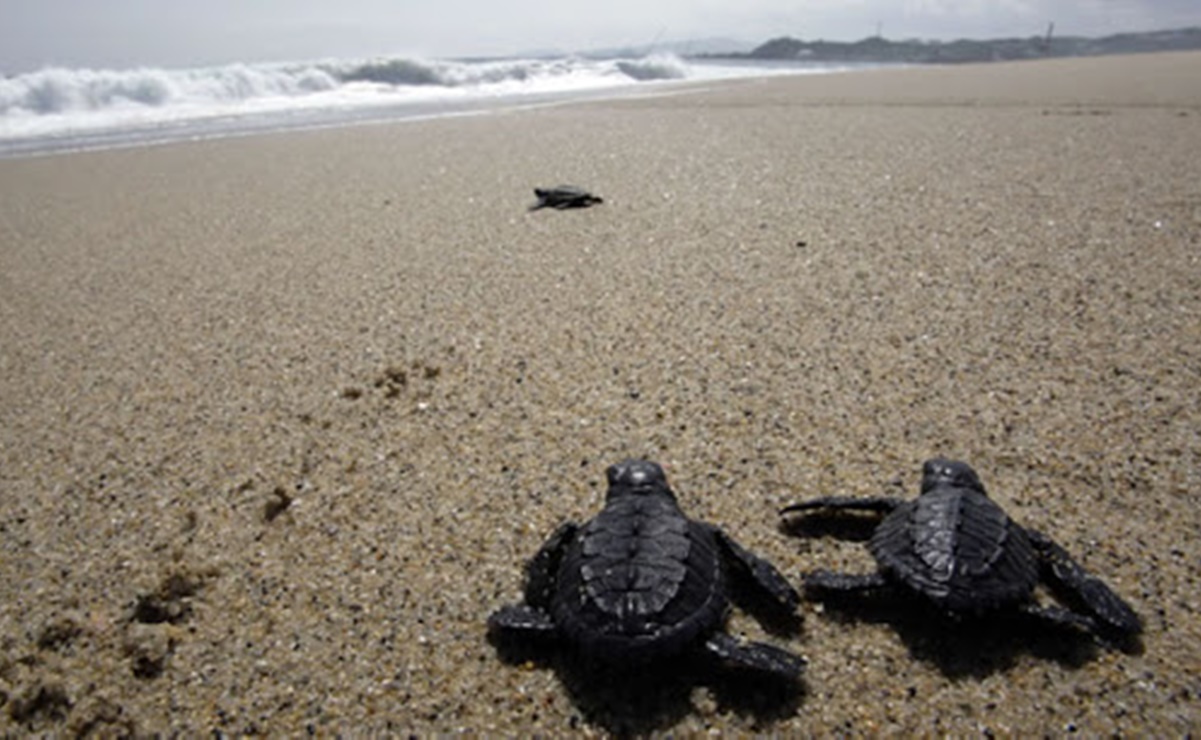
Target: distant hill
{"points": [[914, 51]]}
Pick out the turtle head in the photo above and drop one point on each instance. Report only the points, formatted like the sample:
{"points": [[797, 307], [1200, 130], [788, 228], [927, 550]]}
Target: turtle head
{"points": [[941, 472], [637, 477]]}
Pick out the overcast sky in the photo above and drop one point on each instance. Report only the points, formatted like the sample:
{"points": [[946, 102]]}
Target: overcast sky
{"points": [[125, 33]]}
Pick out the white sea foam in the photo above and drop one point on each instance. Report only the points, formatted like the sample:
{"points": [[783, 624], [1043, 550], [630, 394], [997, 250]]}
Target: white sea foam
{"points": [[52, 105]]}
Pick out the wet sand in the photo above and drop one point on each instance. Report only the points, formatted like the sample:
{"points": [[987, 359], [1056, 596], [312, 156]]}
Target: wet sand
{"points": [[282, 417]]}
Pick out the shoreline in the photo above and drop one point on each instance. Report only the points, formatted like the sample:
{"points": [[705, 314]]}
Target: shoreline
{"points": [[234, 124], [282, 417], [242, 125]]}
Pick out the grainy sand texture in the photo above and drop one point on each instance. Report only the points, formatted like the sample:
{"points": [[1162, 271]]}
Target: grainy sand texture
{"points": [[282, 417]]}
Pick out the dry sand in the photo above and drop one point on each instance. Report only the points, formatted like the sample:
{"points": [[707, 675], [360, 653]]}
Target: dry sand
{"points": [[282, 417]]}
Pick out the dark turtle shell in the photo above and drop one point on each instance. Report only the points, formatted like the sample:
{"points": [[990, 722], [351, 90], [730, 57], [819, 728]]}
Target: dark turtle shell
{"points": [[958, 548], [640, 580]]}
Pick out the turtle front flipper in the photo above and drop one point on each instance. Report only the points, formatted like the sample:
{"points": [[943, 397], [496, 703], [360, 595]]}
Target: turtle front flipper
{"points": [[540, 572], [1069, 579], [874, 504], [758, 657], [821, 583], [757, 572]]}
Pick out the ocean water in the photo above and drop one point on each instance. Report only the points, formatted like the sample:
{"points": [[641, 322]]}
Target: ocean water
{"points": [[62, 109]]}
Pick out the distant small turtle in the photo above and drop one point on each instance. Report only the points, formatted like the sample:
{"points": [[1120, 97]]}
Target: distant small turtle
{"points": [[564, 196], [642, 582], [958, 549]]}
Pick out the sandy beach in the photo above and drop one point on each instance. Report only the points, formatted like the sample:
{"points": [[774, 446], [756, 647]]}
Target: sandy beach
{"points": [[282, 417]]}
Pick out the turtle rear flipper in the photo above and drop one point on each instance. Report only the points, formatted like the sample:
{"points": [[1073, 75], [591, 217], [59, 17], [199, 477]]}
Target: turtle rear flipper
{"points": [[1057, 615], [519, 618], [521, 633], [1074, 583], [757, 657]]}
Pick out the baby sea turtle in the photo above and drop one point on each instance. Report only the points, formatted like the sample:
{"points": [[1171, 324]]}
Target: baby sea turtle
{"points": [[564, 196], [957, 548], [642, 582]]}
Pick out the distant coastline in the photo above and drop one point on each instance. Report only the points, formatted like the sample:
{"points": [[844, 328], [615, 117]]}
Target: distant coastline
{"points": [[918, 51]]}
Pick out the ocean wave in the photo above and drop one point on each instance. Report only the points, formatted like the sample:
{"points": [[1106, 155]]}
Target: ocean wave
{"points": [[654, 67], [58, 91], [61, 109], [404, 71]]}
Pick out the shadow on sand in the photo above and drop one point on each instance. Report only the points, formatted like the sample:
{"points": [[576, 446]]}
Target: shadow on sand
{"points": [[631, 701], [964, 647], [650, 697]]}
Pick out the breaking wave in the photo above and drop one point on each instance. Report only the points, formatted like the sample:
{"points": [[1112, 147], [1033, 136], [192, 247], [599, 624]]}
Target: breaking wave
{"points": [[56, 109], [59, 91]]}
